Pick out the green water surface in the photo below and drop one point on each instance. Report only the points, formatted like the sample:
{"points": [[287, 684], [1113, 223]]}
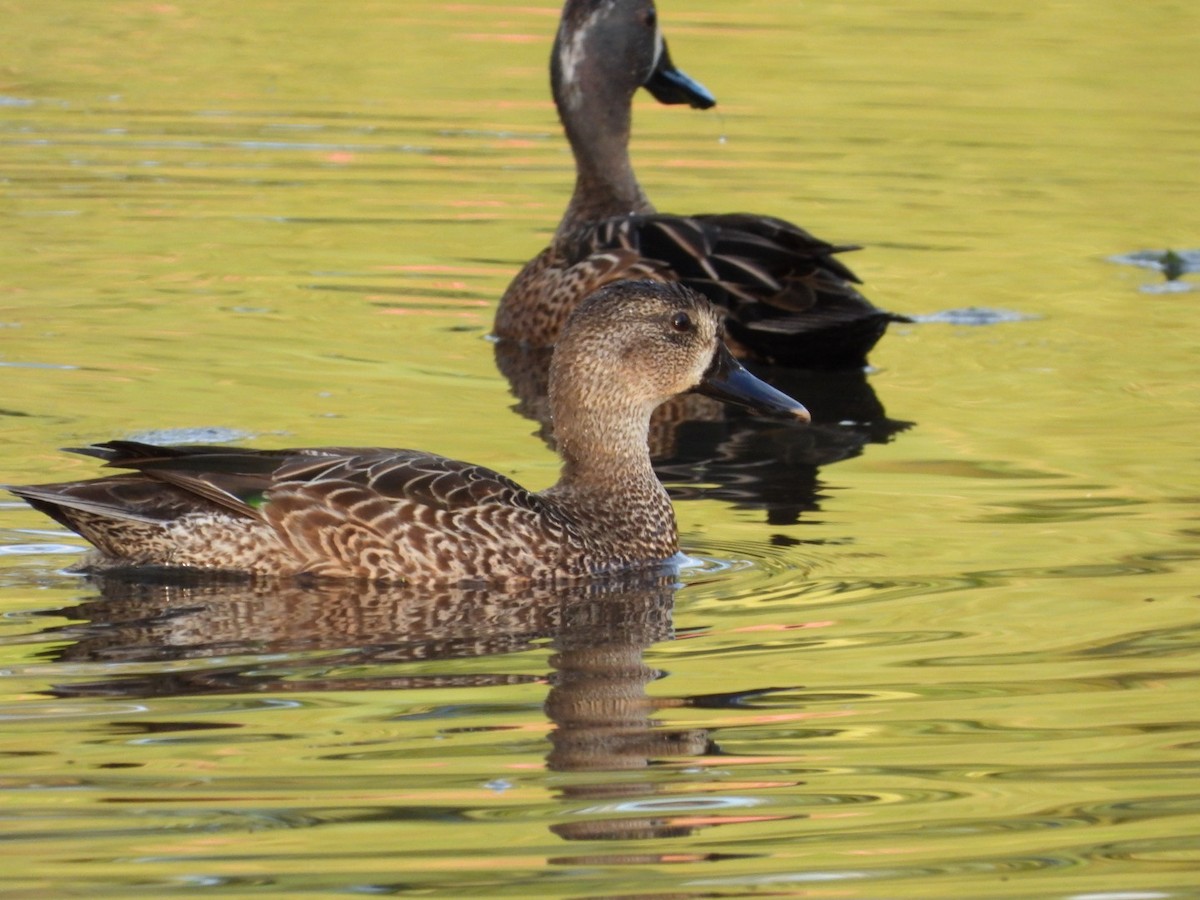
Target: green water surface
{"points": [[955, 659]]}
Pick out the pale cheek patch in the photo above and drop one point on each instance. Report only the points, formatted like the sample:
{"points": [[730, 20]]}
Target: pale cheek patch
{"points": [[571, 55]]}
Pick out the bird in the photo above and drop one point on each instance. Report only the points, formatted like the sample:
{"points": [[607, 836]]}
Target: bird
{"points": [[787, 298], [407, 516]]}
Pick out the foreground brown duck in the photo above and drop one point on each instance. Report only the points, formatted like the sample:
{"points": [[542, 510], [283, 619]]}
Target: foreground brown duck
{"points": [[405, 515], [788, 299]]}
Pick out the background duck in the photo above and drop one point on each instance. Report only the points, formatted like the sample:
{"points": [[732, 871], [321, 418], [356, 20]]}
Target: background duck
{"points": [[788, 299], [410, 516]]}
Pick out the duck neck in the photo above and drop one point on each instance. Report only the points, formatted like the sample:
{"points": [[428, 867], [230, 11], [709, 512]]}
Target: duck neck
{"points": [[605, 183], [603, 450], [607, 479]]}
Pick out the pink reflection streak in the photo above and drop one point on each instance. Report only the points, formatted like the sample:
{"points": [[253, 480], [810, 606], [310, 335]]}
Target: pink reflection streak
{"points": [[785, 627]]}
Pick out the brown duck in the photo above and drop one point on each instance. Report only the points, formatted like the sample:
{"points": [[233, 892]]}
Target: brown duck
{"points": [[788, 300], [406, 515]]}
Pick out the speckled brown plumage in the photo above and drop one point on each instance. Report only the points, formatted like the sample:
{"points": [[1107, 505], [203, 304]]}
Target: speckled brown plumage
{"points": [[787, 298], [409, 516]]}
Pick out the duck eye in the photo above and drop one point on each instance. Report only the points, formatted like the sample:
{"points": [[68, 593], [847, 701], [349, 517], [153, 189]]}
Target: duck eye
{"points": [[681, 322], [651, 18]]}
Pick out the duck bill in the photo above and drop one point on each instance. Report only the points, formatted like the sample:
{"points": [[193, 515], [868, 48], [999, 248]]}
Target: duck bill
{"points": [[728, 380], [669, 85]]}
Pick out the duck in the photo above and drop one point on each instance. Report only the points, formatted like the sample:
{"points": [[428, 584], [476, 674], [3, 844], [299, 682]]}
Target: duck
{"points": [[408, 516], [787, 298]]}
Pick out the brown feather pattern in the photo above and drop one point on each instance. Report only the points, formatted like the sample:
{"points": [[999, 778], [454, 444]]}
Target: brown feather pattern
{"points": [[786, 296], [409, 516]]}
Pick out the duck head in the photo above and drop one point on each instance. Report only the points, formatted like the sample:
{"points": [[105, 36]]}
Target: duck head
{"points": [[644, 342], [607, 49]]}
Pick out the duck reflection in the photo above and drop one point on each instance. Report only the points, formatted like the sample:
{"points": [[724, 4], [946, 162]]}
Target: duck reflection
{"points": [[262, 633], [268, 631], [259, 636], [604, 722], [749, 461]]}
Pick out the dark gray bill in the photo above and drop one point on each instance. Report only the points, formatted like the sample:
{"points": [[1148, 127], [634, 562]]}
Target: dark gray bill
{"points": [[669, 85], [730, 381]]}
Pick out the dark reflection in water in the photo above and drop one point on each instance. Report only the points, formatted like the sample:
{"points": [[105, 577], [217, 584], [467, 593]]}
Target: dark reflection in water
{"points": [[752, 462], [271, 637], [262, 633]]}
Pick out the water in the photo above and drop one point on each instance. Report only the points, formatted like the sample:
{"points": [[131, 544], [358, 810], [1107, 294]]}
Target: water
{"points": [[947, 648]]}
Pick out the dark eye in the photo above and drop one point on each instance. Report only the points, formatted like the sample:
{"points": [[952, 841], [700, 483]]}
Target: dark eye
{"points": [[681, 322]]}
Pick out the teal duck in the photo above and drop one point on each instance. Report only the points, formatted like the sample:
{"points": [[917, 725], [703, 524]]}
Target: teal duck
{"points": [[788, 300], [409, 516]]}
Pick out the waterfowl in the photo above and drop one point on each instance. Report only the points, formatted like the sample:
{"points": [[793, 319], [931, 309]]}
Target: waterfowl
{"points": [[788, 300], [410, 516]]}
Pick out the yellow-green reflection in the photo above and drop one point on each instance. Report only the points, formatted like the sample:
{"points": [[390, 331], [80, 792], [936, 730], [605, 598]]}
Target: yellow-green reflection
{"points": [[964, 669]]}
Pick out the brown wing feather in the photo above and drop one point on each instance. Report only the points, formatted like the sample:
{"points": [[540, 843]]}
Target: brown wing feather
{"points": [[755, 258], [344, 512], [399, 514], [421, 478], [789, 299], [240, 481]]}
